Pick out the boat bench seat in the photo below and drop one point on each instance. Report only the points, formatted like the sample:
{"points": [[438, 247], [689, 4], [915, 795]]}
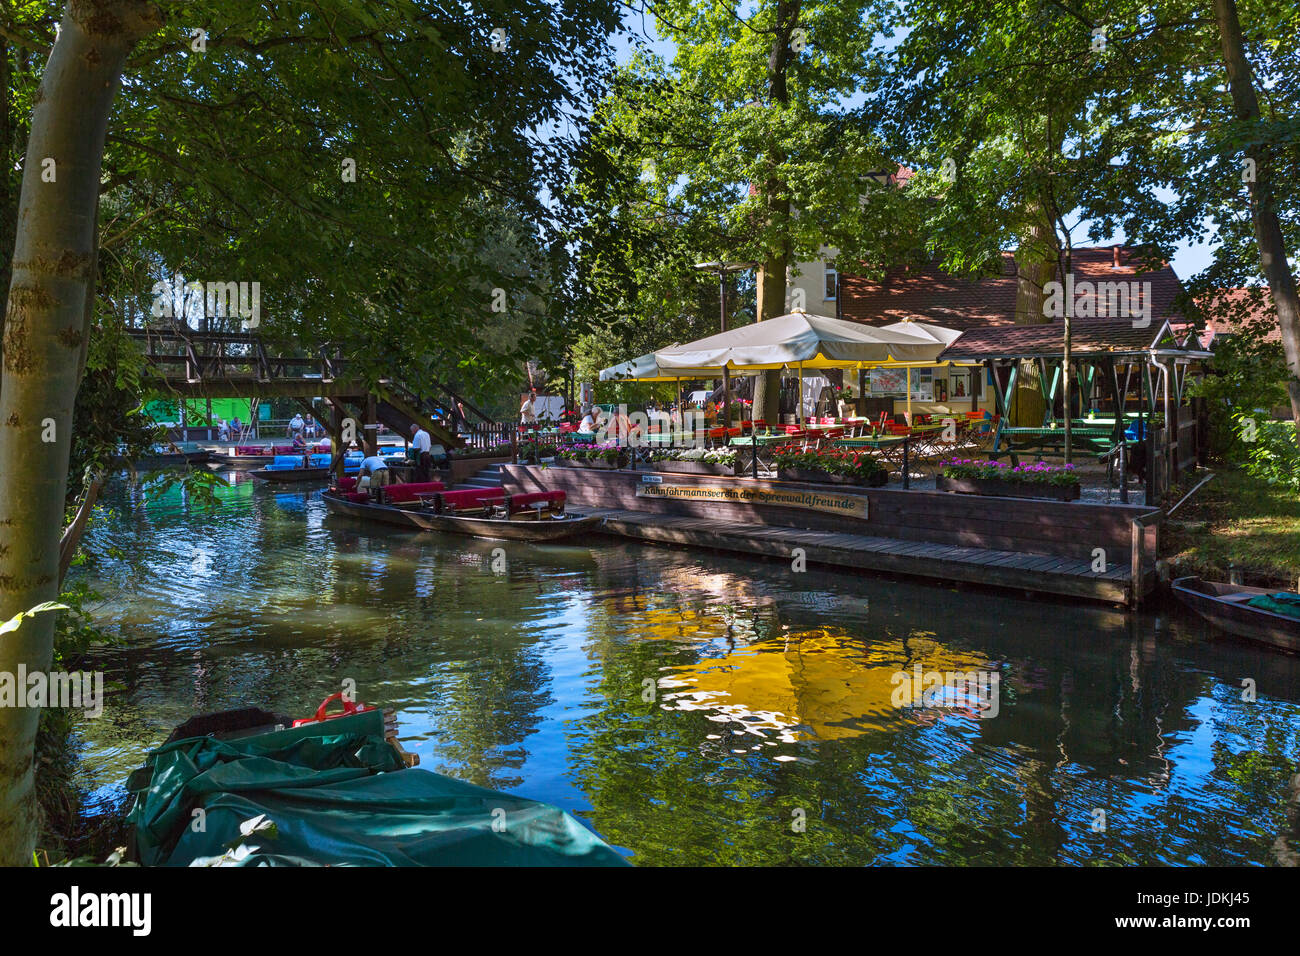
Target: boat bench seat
{"points": [[395, 494], [468, 498], [285, 463], [520, 503], [282, 449], [346, 484], [250, 450], [360, 497]]}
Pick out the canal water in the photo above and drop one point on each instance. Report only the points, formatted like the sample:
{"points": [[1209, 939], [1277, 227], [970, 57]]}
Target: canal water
{"points": [[699, 708]]}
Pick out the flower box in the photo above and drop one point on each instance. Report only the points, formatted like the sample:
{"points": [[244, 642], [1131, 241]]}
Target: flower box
{"points": [[826, 477], [598, 464], [693, 468], [1008, 489]]}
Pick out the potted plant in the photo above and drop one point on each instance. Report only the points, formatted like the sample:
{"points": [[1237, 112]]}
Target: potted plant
{"points": [[831, 465], [608, 456], [695, 461], [969, 476]]}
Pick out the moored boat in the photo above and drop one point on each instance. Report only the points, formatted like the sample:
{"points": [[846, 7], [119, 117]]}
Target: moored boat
{"points": [[331, 790], [1270, 617], [479, 512], [296, 468]]}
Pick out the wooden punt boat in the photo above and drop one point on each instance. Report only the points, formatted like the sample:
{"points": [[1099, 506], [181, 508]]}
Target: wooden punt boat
{"points": [[415, 517], [1225, 606], [341, 790], [290, 475], [172, 459], [239, 462]]}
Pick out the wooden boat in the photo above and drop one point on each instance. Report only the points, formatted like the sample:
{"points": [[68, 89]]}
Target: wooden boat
{"points": [[264, 768], [290, 475], [416, 517], [172, 459], [1224, 606], [239, 462]]}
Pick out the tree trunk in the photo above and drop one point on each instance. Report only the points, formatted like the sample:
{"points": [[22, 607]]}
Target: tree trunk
{"points": [[1268, 231], [1035, 267], [53, 277], [776, 199]]}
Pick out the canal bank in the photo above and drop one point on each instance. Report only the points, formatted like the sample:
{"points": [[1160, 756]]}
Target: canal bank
{"points": [[1100, 552]]}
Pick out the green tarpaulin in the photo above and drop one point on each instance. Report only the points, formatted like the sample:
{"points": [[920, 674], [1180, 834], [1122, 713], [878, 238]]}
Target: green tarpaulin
{"points": [[1282, 602], [338, 794]]}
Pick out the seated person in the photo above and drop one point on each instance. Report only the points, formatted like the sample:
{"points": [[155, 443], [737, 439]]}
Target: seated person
{"points": [[591, 422], [299, 442]]}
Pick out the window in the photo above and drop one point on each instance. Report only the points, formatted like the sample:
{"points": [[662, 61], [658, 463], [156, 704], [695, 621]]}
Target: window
{"points": [[832, 282]]}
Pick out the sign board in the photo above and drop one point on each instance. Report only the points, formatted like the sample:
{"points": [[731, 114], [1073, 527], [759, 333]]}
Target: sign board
{"points": [[852, 505]]}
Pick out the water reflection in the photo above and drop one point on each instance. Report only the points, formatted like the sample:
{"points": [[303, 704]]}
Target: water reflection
{"points": [[698, 708]]}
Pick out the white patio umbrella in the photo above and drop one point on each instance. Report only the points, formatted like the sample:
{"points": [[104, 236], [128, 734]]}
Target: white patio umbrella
{"points": [[643, 368], [812, 341]]}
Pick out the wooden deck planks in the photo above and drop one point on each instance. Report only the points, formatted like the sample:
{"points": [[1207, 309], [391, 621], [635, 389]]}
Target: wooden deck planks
{"points": [[1033, 572]]}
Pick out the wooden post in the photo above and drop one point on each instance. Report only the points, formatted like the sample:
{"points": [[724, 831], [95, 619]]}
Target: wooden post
{"points": [[370, 434]]}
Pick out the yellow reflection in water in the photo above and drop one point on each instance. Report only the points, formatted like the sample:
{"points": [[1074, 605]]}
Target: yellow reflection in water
{"points": [[814, 684]]}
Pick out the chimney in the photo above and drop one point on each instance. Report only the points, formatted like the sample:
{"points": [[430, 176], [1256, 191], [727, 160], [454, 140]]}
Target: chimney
{"points": [[1114, 262]]}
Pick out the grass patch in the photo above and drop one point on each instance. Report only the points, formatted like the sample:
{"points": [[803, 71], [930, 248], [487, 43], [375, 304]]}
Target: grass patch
{"points": [[1250, 525]]}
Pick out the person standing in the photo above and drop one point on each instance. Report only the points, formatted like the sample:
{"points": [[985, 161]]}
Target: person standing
{"points": [[528, 410], [421, 452]]}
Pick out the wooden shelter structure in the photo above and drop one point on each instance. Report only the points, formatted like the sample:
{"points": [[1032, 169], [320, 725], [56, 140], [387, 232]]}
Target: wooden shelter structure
{"points": [[1137, 373]]}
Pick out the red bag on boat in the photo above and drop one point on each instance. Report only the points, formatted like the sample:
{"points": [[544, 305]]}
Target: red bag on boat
{"points": [[349, 708]]}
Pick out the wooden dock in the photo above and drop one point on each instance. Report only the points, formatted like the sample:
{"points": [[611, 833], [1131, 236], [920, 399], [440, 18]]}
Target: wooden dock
{"points": [[1070, 577], [1027, 544]]}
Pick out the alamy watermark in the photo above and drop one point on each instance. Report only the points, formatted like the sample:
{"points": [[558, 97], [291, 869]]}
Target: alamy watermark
{"points": [[1100, 300], [234, 299], [73, 690], [977, 691]]}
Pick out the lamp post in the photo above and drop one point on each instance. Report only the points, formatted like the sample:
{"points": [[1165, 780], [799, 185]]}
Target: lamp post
{"points": [[722, 268]]}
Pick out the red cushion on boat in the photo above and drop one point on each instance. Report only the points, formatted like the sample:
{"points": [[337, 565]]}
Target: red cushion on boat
{"points": [[472, 497], [283, 450], [356, 495], [408, 490], [249, 450], [347, 484], [520, 503]]}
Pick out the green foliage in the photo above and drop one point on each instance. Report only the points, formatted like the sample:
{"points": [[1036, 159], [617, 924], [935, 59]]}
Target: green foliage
{"points": [[1268, 449], [706, 456], [859, 466], [1030, 473]]}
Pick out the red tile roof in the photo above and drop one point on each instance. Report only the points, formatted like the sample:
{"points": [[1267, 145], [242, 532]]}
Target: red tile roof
{"points": [[1231, 310], [931, 295], [1029, 341]]}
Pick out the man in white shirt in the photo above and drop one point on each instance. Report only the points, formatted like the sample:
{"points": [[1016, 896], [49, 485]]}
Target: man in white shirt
{"points": [[528, 410], [295, 425], [421, 444]]}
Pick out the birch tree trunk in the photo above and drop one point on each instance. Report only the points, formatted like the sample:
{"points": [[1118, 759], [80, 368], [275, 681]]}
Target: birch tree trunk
{"points": [[775, 265], [45, 328], [1268, 231]]}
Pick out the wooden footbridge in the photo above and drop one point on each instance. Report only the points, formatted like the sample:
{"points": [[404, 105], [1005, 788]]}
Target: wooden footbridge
{"points": [[199, 364]]}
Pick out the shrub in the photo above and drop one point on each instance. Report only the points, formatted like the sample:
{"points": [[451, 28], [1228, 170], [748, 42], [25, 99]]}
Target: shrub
{"points": [[857, 465], [706, 456], [610, 453], [1268, 449], [1039, 472]]}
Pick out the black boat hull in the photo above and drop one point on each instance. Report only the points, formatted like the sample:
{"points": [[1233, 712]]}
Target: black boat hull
{"points": [[1214, 601], [517, 529]]}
